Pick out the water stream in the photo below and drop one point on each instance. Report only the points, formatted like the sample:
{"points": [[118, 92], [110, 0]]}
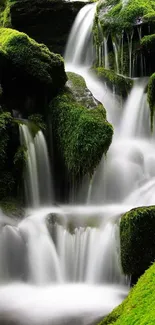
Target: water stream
{"points": [[61, 265]]}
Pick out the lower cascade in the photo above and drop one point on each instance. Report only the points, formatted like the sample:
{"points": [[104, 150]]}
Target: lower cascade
{"points": [[61, 264]]}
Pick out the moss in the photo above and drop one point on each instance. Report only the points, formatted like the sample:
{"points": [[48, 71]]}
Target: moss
{"points": [[37, 119], [82, 135], [137, 233], [120, 17], [34, 59], [122, 85], [148, 42], [138, 307], [12, 207], [151, 97], [78, 88]]}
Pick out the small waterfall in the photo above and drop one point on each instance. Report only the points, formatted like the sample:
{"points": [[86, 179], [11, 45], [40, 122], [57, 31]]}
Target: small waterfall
{"points": [[79, 48], [106, 58], [130, 45], [128, 127], [50, 253], [116, 56], [38, 176]]}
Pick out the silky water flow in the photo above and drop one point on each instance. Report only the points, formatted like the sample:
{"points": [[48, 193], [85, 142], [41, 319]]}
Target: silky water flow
{"points": [[61, 265]]}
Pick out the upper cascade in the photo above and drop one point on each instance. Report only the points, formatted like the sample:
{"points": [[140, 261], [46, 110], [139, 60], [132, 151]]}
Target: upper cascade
{"points": [[79, 50]]}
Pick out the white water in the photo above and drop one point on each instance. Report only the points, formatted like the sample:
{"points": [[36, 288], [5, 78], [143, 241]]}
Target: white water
{"points": [[38, 186], [70, 271]]}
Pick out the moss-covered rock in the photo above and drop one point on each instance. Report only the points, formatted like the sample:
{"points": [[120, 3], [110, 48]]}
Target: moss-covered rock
{"points": [[121, 84], [47, 21], [151, 98], [12, 207], [117, 16], [138, 307], [82, 134], [29, 72], [137, 233], [81, 93]]}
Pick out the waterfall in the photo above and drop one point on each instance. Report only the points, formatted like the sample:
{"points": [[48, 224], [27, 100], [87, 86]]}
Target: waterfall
{"points": [[38, 175], [106, 58], [64, 262], [80, 44], [116, 56]]}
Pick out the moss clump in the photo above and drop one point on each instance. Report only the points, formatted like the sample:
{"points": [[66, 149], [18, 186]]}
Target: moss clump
{"points": [[82, 135], [30, 74], [119, 17], [138, 307], [12, 208], [148, 42], [81, 93], [151, 97], [35, 60], [137, 233], [122, 85]]}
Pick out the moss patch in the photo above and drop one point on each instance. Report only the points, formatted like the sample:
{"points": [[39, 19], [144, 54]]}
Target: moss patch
{"points": [[30, 74], [137, 233], [12, 208], [82, 135], [122, 85], [119, 17], [138, 307], [151, 97]]}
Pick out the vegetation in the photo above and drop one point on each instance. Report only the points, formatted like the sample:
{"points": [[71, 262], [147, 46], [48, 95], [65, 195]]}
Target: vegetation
{"points": [[122, 85], [137, 233], [151, 98], [34, 59], [12, 207], [82, 135], [138, 307], [120, 17]]}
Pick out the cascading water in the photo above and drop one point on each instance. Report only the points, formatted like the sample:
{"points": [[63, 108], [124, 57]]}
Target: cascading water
{"points": [[61, 265], [38, 186]]}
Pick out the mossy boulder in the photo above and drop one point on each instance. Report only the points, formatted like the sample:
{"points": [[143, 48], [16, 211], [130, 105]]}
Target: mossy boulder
{"points": [[151, 98], [81, 93], [28, 70], [47, 21], [12, 207], [82, 134], [139, 306], [121, 84], [117, 15], [137, 235]]}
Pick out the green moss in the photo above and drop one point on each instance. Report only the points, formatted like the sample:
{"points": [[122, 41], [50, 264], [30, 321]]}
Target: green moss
{"points": [[137, 233], [120, 17], [12, 207], [82, 135], [37, 119], [138, 307], [5, 121], [151, 97], [148, 42], [122, 85], [32, 58]]}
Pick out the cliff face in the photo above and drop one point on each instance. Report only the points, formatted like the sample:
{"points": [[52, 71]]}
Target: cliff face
{"points": [[47, 21]]}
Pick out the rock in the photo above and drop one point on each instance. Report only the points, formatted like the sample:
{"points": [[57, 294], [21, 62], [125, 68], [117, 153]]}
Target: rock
{"points": [[137, 235], [47, 21], [30, 73]]}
